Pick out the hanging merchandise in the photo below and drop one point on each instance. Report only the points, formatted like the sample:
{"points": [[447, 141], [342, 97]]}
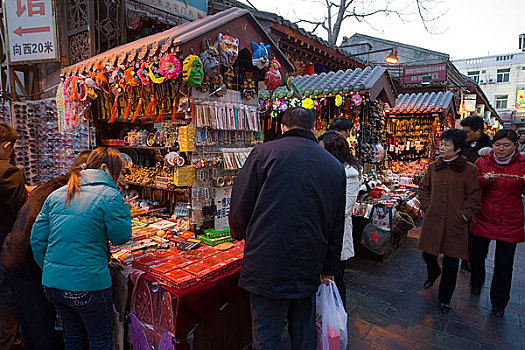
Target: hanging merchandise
{"points": [[272, 78], [211, 65], [357, 99], [338, 100], [192, 71], [292, 87], [170, 66], [143, 74], [308, 103], [248, 86], [260, 55], [154, 73], [228, 49]]}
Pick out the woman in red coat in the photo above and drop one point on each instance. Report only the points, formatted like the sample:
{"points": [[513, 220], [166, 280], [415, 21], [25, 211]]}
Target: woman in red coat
{"points": [[500, 217]]}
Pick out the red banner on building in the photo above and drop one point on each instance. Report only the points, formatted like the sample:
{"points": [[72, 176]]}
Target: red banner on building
{"points": [[425, 74]]}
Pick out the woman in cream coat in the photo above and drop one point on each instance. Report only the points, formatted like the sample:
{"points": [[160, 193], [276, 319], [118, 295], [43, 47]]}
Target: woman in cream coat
{"points": [[335, 143]]}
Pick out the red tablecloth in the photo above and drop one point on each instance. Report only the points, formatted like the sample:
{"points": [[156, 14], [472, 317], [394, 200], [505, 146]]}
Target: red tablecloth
{"points": [[163, 308]]}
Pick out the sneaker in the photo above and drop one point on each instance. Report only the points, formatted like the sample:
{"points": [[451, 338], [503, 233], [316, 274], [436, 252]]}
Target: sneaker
{"points": [[445, 308], [497, 311]]}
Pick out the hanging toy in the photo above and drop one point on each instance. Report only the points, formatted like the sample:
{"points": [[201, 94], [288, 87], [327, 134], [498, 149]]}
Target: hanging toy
{"points": [[102, 81], [357, 99], [290, 84], [154, 74], [260, 55], [192, 71], [338, 100], [169, 66], [228, 49], [248, 87], [272, 78], [210, 61]]}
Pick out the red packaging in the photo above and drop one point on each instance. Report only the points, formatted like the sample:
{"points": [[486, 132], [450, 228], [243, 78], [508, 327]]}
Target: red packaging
{"points": [[198, 269], [178, 278]]}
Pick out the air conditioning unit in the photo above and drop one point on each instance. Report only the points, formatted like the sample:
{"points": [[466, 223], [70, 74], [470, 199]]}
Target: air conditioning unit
{"points": [[482, 81], [491, 81]]}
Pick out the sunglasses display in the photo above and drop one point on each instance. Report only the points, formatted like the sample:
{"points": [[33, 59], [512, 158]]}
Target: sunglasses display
{"points": [[43, 150]]}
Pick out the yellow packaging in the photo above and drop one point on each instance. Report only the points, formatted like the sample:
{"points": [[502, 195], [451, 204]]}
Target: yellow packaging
{"points": [[184, 177]]}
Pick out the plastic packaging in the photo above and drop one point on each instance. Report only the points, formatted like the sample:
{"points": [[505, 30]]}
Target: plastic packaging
{"points": [[331, 319]]}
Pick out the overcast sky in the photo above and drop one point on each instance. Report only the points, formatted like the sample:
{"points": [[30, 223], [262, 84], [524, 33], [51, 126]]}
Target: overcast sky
{"points": [[469, 28]]}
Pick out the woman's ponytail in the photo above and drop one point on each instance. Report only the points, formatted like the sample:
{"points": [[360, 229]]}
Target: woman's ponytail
{"points": [[73, 186]]}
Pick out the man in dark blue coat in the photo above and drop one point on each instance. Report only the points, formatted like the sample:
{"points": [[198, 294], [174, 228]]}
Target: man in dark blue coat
{"points": [[288, 204]]}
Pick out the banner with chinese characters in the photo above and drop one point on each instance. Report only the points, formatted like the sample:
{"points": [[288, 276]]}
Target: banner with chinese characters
{"points": [[31, 31], [189, 9], [520, 100], [222, 202]]}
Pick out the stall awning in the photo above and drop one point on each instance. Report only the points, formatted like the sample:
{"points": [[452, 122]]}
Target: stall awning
{"points": [[423, 103], [239, 23], [376, 81]]}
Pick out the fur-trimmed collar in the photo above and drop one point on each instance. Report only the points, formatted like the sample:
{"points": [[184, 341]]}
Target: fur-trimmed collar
{"points": [[457, 164], [307, 134]]}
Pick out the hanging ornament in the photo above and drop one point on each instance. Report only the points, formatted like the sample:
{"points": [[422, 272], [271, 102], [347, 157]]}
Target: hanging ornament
{"points": [[169, 66], [272, 78], [307, 103], [228, 49], [290, 84], [192, 71], [283, 106], [338, 100], [143, 74], [154, 73], [294, 102], [357, 99], [275, 105], [260, 55]]}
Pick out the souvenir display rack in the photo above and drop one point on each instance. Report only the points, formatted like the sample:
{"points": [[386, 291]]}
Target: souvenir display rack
{"points": [[43, 150]]}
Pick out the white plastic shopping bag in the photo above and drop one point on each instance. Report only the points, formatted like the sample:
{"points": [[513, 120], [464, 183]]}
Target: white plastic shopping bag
{"points": [[331, 319]]}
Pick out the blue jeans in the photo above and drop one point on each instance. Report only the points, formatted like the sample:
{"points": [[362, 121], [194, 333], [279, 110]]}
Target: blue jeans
{"points": [[87, 317]]}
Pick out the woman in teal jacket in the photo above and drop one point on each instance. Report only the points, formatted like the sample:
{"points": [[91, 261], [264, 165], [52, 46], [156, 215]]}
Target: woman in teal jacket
{"points": [[70, 243]]}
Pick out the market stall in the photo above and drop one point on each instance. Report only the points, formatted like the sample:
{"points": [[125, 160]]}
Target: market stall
{"points": [[358, 95], [413, 128], [182, 108]]}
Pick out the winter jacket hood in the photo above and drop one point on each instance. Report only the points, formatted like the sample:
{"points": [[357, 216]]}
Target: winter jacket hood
{"points": [[288, 203], [501, 214], [70, 242]]}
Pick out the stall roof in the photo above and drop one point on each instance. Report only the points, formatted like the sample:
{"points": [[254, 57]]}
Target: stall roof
{"points": [[180, 35], [423, 103], [375, 81]]}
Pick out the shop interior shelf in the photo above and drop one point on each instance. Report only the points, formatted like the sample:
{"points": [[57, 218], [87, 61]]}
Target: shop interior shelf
{"points": [[178, 189], [139, 147]]}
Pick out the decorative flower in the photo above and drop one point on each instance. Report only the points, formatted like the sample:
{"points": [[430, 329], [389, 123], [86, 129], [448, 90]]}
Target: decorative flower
{"points": [[169, 67], [357, 99], [283, 106], [338, 100], [308, 103]]}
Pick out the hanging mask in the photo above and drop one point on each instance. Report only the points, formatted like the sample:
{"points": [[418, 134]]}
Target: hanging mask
{"points": [[260, 55], [169, 67], [228, 49], [272, 78], [210, 61], [192, 71], [154, 74]]}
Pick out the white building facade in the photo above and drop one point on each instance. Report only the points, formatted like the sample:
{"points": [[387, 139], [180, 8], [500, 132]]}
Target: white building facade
{"points": [[502, 78]]}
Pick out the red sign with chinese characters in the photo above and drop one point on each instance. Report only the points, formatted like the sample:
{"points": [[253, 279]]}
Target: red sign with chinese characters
{"points": [[425, 74], [31, 32]]}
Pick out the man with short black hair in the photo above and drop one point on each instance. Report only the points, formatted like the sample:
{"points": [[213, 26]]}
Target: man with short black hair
{"points": [[288, 203], [343, 125], [13, 195], [476, 138]]}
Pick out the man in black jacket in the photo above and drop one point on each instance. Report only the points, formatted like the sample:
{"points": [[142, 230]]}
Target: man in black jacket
{"points": [[13, 195], [288, 204], [476, 138]]}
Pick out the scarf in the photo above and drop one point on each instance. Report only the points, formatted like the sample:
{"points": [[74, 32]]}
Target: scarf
{"points": [[503, 161]]}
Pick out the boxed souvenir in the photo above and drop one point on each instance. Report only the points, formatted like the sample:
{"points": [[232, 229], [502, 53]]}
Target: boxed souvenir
{"points": [[216, 233], [163, 225], [214, 241], [184, 176], [178, 278]]}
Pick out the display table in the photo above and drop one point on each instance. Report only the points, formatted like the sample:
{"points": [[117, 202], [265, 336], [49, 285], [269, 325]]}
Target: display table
{"points": [[212, 313]]}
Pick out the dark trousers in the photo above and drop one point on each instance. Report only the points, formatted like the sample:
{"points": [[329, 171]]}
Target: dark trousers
{"points": [[9, 337], [37, 315], [87, 317], [269, 316], [503, 264], [340, 282], [448, 275]]}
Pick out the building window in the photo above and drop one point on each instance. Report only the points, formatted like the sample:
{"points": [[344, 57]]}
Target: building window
{"points": [[501, 101], [503, 75], [474, 75]]}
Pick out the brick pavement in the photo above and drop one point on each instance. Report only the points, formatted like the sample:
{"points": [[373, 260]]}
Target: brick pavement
{"points": [[389, 309]]}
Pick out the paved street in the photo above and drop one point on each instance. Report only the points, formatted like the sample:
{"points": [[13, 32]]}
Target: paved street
{"points": [[388, 309]]}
